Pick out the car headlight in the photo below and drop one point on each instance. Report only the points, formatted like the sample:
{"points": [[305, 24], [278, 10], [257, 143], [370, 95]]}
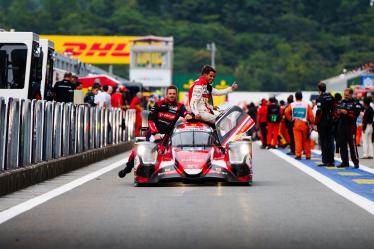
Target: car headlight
{"points": [[147, 152], [238, 151]]}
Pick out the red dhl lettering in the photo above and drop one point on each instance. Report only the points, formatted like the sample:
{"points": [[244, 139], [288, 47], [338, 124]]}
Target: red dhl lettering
{"points": [[102, 50], [99, 49]]}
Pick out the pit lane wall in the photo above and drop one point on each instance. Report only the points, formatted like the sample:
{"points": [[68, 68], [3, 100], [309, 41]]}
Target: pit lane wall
{"points": [[40, 140]]}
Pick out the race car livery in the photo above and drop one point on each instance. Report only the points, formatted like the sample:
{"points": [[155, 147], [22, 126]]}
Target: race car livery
{"points": [[196, 152]]}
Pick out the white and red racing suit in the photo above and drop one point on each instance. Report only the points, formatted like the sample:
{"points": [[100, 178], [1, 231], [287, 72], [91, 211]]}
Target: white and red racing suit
{"points": [[200, 99]]}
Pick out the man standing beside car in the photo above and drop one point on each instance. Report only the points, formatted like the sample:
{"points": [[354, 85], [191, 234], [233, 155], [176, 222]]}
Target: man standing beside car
{"points": [[161, 121]]}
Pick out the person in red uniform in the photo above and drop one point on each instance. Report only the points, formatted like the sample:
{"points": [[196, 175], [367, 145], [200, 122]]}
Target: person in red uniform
{"points": [[273, 114], [117, 97], [261, 122], [284, 138], [164, 114], [136, 104]]}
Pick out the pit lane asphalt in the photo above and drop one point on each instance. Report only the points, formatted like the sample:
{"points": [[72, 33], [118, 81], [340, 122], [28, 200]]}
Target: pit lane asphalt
{"points": [[284, 208]]}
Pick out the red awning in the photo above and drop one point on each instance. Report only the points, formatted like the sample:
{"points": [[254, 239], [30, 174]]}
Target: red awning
{"points": [[104, 80]]}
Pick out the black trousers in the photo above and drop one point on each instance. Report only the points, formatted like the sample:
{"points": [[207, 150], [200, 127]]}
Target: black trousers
{"points": [[326, 139], [336, 137], [289, 126], [347, 137], [264, 133]]}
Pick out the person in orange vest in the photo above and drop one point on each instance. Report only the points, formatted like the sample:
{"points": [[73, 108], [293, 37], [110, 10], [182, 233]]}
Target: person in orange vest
{"points": [[273, 114], [136, 104], [261, 122], [301, 113]]}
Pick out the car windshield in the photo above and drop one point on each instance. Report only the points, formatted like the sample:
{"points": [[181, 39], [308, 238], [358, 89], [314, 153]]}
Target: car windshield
{"points": [[192, 139]]}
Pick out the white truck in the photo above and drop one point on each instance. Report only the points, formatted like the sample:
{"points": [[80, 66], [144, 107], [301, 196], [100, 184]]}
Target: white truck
{"points": [[21, 58]]}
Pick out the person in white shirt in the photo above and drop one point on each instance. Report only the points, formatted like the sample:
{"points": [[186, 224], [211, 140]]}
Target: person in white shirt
{"points": [[103, 98]]}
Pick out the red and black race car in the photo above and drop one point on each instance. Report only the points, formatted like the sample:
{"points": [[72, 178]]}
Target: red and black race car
{"points": [[197, 152]]}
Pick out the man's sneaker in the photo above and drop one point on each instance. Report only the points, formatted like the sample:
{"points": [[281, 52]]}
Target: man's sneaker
{"points": [[308, 158], [357, 166], [290, 153], [122, 173], [343, 165], [126, 170], [298, 157], [322, 165]]}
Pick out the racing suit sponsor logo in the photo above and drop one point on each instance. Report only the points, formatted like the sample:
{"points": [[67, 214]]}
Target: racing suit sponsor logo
{"points": [[166, 115]]}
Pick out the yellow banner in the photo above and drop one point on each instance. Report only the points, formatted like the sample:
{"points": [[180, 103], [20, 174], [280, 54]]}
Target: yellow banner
{"points": [[94, 49]]}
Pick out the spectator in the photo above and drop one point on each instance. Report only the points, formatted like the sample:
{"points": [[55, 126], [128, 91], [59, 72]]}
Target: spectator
{"points": [[97, 84], [261, 122], [252, 112], [273, 113], [367, 130], [151, 103], [136, 104], [78, 85], [116, 100], [64, 89], [75, 81], [90, 97], [283, 137], [103, 98]]}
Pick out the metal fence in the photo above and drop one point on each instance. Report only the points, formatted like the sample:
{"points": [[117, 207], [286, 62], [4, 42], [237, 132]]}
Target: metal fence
{"points": [[33, 131]]}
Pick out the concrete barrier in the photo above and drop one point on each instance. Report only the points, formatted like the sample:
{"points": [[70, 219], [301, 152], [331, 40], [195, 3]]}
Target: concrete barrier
{"points": [[13, 180]]}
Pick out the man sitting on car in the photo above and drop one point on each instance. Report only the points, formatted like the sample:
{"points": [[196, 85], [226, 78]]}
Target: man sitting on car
{"points": [[200, 96], [164, 114]]}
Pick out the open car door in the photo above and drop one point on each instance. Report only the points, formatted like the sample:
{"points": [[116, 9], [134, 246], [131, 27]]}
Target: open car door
{"points": [[232, 125]]}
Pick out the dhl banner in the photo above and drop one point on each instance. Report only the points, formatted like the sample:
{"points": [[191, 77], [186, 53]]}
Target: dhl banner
{"points": [[94, 49]]}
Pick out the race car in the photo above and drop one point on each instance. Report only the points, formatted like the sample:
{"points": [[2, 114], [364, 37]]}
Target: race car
{"points": [[195, 151]]}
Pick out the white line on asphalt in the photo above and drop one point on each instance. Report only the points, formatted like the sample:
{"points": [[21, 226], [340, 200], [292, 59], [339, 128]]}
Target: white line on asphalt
{"points": [[27, 205], [337, 188], [363, 167]]}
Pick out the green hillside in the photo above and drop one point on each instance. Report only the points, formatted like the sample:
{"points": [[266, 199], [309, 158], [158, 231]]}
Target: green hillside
{"points": [[267, 45]]}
